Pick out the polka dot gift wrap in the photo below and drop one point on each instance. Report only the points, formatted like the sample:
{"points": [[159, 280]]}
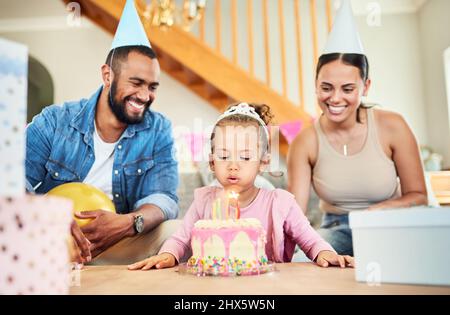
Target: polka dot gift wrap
{"points": [[34, 256], [13, 103]]}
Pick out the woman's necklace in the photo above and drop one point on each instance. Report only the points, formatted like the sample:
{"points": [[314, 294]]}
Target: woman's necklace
{"points": [[345, 144], [353, 137], [345, 150]]}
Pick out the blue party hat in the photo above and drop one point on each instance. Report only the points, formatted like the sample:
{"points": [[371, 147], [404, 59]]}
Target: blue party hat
{"points": [[130, 31]]}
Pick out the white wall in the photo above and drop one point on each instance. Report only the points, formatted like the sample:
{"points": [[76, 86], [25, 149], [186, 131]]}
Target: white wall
{"points": [[434, 21], [72, 56], [447, 76], [393, 50]]}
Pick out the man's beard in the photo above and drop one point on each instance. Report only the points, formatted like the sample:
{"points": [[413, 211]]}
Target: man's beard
{"points": [[119, 107]]}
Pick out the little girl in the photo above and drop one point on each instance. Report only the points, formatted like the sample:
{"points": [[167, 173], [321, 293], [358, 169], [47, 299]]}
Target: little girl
{"points": [[239, 151]]}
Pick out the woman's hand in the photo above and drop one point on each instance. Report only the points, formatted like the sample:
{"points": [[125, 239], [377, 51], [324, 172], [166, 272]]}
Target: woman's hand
{"points": [[380, 206], [409, 200], [327, 258], [164, 260]]}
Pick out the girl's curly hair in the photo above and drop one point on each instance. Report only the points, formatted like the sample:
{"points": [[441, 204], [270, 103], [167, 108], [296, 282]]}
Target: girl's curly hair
{"points": [[264, 113]]}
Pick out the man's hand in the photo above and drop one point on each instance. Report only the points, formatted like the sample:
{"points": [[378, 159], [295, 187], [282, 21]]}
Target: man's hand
{"points": [[327, 258], [106, 229], [82, 251], [164, 260]]}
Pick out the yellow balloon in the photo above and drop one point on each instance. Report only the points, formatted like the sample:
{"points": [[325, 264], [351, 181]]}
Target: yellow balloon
{"points": [[85, 198]]}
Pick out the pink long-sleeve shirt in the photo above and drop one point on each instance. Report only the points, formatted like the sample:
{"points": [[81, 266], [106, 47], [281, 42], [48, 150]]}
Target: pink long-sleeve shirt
{"points": [[281, 217]]}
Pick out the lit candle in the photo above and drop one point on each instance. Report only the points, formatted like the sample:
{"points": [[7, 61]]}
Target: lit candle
{"points": [[213, 214], [227, 214], [219, 209], [235, 196]]}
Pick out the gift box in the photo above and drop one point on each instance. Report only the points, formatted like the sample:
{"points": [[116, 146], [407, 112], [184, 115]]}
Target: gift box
{"points": [[34, 234], [408, 246]]}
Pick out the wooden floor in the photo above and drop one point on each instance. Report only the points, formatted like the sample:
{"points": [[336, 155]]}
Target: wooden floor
{"points": [[288, 279]]}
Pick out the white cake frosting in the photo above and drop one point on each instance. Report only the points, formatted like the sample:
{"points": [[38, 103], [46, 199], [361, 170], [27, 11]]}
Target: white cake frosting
{"points": [[217, 224]]}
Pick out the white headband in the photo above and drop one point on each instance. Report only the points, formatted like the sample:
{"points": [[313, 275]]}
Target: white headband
{"points": [[245, 110]]}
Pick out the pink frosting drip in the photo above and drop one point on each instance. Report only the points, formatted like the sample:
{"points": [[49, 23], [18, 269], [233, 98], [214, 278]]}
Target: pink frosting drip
{"points": [[227, 235]]}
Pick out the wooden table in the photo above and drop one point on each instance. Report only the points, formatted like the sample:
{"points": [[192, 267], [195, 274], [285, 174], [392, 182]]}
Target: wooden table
{"points": [[288, 279]]}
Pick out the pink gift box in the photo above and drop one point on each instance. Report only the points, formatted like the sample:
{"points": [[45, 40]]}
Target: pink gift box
{"points": [[34, 234]]}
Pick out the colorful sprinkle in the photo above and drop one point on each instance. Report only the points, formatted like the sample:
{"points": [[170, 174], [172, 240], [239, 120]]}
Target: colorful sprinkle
{"points": [[227, 267]]}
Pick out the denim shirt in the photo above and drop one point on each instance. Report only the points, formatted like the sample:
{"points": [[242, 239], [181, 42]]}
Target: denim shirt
{"points": [[60, 149]]}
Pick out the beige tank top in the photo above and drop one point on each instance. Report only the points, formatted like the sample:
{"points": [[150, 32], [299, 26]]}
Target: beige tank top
{"points": [[349, 183]]}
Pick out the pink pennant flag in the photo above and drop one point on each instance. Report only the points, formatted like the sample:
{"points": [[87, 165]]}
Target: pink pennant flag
{"points": [[290, 130], [195, 141]]}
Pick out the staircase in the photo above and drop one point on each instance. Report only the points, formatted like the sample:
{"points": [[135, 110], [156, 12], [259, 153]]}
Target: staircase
{"points": [[199, 67]]}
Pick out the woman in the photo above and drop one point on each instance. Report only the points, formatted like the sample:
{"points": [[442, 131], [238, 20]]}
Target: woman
{"points": [[355, 157]]}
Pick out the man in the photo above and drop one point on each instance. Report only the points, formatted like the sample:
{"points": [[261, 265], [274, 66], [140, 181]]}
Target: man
{"points": [[116, 143]]}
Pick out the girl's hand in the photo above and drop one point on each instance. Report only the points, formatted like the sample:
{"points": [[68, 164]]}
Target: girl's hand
{"points": [[164, 260], [327, 258]]}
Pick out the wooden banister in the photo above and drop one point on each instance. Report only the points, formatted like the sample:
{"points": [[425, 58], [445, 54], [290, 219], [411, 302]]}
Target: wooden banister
{"points": [[440, 183], [298, 40], [266, 42], [218, 25], [202, 28], [234, 27], [282, 47], [313, 10], [250, 37], [329, 15]]}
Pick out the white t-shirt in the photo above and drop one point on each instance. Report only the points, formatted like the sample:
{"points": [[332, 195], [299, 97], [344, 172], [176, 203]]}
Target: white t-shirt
{"points": [[100, 174]]}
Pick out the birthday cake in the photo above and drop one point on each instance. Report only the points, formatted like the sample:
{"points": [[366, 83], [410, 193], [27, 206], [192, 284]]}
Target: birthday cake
{"points": [[228, 247]]}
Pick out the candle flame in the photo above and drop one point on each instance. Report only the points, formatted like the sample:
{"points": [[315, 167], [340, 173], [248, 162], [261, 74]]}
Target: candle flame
{"points": [[233, 195]]}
